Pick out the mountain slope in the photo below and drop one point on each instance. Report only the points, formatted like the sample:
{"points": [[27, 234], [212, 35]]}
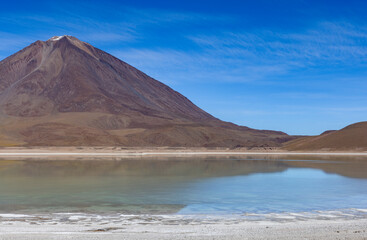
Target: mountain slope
{"points": [[77, 77], [66, 92], [350, 138]]}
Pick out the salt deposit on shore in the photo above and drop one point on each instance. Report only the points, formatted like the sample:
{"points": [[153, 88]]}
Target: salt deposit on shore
{"points": [[311, 229]]}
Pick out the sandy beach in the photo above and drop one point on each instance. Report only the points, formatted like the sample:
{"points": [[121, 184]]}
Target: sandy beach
{"points": [[312, 229]]}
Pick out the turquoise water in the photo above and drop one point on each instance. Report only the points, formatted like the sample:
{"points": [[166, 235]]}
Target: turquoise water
{"points": [[188, 186]]}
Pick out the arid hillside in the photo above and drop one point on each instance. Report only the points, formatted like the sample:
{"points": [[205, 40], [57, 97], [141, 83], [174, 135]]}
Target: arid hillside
{"points": [[65, 92], [350, 138]]}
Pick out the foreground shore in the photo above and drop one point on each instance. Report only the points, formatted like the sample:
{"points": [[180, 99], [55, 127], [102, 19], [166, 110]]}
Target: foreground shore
{"points": [[39, 152], [311, 229]]}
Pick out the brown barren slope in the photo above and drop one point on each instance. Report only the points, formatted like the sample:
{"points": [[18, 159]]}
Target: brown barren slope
{"points": [[350, 138], [65, 92]]}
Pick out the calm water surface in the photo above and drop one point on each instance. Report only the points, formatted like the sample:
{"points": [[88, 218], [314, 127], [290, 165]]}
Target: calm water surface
{"points": [[186, 186]]}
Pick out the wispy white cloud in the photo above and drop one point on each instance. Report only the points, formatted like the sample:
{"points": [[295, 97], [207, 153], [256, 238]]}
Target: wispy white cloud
{"points": [[159, 16], [9, 43], [109, 37], [347, 109], [262, 56], [124, 24], [333, 42], [303, 95], [177, 66]]}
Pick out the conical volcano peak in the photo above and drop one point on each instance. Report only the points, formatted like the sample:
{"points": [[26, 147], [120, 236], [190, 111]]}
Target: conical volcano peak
{"points": [[66, 92], [67, 38], [57, 38], [67, 41], [65, 74]]}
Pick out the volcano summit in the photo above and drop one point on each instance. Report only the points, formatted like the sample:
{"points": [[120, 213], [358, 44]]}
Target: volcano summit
{"points": [[65, 92]]}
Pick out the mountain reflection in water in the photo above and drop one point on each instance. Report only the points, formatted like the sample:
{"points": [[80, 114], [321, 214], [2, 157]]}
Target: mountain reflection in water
{"points": [[185, 185]]}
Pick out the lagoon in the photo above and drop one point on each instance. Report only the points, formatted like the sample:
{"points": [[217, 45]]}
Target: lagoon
{"points": [[252, 187]]}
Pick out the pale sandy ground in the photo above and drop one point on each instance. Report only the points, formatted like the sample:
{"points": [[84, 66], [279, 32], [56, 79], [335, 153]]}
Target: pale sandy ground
{"points": [[36, 152], [312, 229]]}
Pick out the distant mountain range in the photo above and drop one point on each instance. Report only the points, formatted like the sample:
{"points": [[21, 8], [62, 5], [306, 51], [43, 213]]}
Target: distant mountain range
{"points": [[65, 92]]}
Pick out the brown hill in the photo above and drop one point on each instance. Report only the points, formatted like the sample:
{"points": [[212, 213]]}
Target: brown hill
{"points": [[350, 138], [66, 92]]}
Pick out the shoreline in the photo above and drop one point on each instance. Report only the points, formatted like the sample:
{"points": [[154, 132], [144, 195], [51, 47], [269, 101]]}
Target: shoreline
{"points": [[33, 152], [311, 229]]}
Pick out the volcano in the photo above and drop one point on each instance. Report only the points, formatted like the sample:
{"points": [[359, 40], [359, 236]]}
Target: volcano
{"points": [[65, 92]]}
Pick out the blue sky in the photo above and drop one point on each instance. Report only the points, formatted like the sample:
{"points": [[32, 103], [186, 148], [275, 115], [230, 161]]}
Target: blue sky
{"points": [[292, 65]]}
